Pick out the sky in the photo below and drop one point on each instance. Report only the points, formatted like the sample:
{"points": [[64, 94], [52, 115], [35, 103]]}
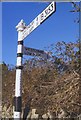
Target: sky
{"points": [[0, 32], [60, 26]]}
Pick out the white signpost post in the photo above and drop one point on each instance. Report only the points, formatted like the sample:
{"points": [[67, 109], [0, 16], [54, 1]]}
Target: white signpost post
{"points": [[23, 32]]}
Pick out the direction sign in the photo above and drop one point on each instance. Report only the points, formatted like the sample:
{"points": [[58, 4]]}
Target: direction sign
{"points": [[39, 19], [36, 52]]}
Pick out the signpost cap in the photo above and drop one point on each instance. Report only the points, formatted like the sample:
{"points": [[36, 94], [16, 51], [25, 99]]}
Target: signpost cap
{"points": [[21, 25]]}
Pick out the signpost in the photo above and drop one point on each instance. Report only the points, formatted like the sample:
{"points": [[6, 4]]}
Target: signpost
{"points": [[23, 32], [39, 19], [36, 52]]}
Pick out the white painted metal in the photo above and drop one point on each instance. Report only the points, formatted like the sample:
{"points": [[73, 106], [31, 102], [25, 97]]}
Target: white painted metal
{"points": [[39, 19], [20, 27], [19, 49], [36, 52], [17, 115], [19, 61], [18, 83]]}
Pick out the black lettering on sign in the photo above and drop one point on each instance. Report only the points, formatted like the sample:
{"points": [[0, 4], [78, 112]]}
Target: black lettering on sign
{"points": [[42, 16], [29, 29], [48, 11], [25, 31], [51, 7], [31, 26], [36, 21]]}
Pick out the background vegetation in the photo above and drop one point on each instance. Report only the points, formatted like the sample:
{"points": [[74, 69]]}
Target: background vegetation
{"points": [[52, 84]]}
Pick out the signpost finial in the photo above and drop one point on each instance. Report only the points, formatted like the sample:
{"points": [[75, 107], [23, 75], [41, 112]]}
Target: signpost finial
{"points": [[21, 25]]}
